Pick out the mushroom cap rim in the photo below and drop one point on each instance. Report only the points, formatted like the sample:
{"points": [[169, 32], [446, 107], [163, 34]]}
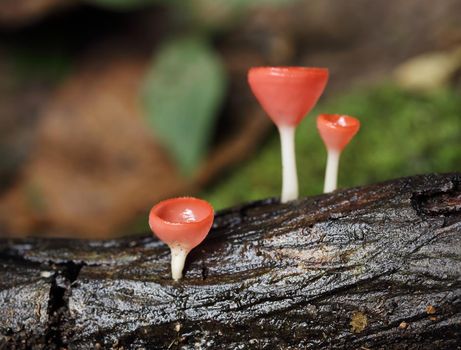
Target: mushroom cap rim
{"points": [[322, 118], [288, 70], [165, 202]]}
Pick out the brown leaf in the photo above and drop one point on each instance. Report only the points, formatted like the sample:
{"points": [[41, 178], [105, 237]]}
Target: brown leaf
{"points": [[96, 164]]}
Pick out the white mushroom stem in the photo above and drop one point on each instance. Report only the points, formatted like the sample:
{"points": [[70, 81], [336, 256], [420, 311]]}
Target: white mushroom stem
{"points": [[289, 173], [331, 173], [178, 258]]}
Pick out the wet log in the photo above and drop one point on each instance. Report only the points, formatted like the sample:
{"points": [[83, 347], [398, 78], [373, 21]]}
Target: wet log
{"points": [[376, 267]]}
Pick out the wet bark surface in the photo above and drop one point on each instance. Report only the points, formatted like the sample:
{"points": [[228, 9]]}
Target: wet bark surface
{"points": [[375, 267]]}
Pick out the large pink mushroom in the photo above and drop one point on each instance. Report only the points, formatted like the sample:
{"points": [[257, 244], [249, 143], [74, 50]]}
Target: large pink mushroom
{"points": [[287, 94]]}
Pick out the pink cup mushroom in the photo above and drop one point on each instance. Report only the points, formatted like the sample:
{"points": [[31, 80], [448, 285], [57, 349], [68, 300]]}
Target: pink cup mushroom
{"points": [[182, 223], [336, 132], [287, 94]]}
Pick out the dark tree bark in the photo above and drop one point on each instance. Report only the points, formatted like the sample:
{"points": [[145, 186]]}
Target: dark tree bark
{"points": [[376, 267]]}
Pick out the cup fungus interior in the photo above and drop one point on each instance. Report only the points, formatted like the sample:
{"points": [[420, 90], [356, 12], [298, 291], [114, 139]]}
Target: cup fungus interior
{"points": [[339, 121], [183, 210], [337, 130], [182, 221]]}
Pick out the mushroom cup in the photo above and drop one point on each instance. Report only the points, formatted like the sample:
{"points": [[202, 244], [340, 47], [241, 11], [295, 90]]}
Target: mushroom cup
{"points": [[182, 223], [287, 94]]}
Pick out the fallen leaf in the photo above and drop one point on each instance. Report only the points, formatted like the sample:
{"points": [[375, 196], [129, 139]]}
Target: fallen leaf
{"points": [[430, 71], [184, 87]]}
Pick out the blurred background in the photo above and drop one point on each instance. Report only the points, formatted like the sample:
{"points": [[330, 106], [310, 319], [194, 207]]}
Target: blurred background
{"points": [[108, 106]]}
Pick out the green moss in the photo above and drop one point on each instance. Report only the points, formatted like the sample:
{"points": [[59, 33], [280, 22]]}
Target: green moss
{"points": [[402, 134]]}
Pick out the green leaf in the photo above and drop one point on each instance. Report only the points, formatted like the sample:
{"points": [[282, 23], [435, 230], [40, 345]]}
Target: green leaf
{"points": [[184, 87]]}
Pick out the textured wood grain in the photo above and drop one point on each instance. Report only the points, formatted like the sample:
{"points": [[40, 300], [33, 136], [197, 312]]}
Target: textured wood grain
{"points": [[375, 267]]}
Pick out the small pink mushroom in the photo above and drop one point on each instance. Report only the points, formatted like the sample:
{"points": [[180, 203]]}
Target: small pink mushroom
{"points": [[336, 132], [182, 223], [287, 94]]}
